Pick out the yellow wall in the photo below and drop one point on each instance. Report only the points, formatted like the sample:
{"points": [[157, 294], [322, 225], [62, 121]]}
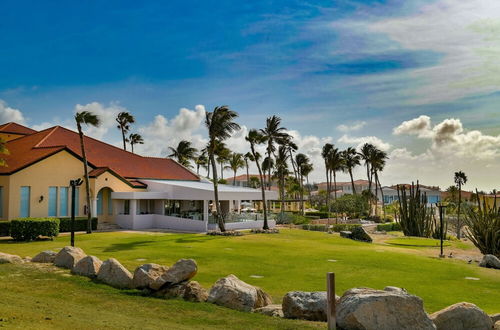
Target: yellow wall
{"points": [[9, 136]]}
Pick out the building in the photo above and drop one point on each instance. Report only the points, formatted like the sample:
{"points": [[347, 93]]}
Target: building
{"points": [[241, 181], [391, 194], [127, 189], [344, 188]]}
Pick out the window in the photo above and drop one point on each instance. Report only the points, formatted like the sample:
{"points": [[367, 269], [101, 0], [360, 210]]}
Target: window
{"points": [[172, 208], [110, 203], [99, 203], [63, 202], [126, 207], [24, 210], [52, 202]]}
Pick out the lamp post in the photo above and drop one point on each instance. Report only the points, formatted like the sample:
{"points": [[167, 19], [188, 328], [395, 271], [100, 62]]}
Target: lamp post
{"points": [[73, 184], [441, 208]]}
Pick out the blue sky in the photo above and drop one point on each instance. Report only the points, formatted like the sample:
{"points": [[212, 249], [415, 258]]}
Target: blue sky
{"points": [[366, 65]]}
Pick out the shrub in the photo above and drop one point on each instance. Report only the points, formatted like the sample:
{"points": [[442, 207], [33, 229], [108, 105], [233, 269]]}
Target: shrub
{"points": [[28, 229], [344, 227], [291, 218], [392, 226], [321, 215], [4, 228], [80, 224], [314, 227], [354, 205], [483, 227]]}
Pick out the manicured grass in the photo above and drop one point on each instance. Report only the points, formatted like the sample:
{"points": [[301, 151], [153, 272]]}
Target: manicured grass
{"points": [[34, 299], [295, 260], [417, 241]]}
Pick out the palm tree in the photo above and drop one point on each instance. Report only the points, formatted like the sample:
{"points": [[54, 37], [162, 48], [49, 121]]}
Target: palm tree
{"points": [[302, 162], [89, 119], [326, 153], [351, 160], [124, 119], [236, 162], [201, 161], [336, 164], [377, 162], [135, 138], [3, 150], [460, 180], [248, 157], [220, 124], [223, 155], [281, 172], [254, 137], [183, 153], [273, 133], [267, 166], [366, 153]]}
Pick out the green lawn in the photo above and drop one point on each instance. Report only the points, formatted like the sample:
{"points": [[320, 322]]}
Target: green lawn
{"points": [[417, 242], [294, 260]]}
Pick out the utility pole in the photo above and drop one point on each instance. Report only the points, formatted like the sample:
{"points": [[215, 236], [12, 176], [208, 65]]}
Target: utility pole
{"points": [[330, 297], [73, 184]]}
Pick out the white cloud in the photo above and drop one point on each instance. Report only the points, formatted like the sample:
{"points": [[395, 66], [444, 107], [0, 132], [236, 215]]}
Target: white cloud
{"points": [[354, 127], [8, 114], [420, 126], [359, 141]]}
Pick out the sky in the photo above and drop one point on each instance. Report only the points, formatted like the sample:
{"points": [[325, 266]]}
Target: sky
{"points": [[420, 79]]}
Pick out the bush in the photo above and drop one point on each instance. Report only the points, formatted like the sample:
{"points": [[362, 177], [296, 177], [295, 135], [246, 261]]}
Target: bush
{"points": [[80, 224], [393, 226], [4, 228], [28, 229], [344, 227], [314, 227], [354, 205], [291, 218], [321, 215]]}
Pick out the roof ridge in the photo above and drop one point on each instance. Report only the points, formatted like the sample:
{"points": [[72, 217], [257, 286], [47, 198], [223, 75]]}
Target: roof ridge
{"points": [[53, 129]]}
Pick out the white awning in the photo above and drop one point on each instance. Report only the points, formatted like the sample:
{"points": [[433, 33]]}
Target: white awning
{"points": [[193, 190]]}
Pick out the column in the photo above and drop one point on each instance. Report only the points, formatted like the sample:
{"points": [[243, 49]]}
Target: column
{"points": [[133, 207], [238, 206], [205, 214], [93, 210]]}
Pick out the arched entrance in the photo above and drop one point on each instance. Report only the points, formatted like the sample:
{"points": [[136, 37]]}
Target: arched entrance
{"points": [[104, 209]]}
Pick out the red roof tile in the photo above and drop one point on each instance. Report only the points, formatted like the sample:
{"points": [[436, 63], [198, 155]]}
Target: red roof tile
{"points": [[15, 128], [31, 148]]}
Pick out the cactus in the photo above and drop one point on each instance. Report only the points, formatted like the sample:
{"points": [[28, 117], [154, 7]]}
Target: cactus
{"points": [[416, 217]]}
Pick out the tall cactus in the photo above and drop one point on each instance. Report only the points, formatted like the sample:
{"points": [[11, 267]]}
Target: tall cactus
{"points": [[416, 217]]}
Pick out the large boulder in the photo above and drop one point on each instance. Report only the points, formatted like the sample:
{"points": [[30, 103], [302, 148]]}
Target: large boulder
{"points": [[114, 274], [233, 293], [495, 318], [88, 266], [363, 308], [305, 305], [270, 310], [181, 271], [190, 291], [45, 257], [360, 234], [490, 261], [462, 316], [6, 258], [146, 274], [496, 326], [68, 257]]}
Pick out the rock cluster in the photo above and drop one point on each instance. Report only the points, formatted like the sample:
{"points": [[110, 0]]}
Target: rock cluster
{"points": [[68, 257], [358, 234], [45, 257], [490, 261], [225, 233], [265, 231], [462, 316], [6, 258]]}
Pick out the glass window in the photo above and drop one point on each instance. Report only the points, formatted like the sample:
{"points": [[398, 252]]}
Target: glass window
{"points": [[172, 207], [52, 202], [110, 203], [126, 206], [63, 202], [99, 203], [24, 211]]}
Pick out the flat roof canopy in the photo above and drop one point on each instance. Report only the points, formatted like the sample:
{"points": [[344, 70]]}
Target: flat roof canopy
{"points": [[193, 190]]}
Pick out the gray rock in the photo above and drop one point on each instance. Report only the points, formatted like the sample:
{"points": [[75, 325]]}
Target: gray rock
{"points": [[6, 258], [68, 257], [190, 291], [271, 310], [114, 274], [490, 261], [462, 316], [345, 234], [146, 274], [181, 271], [496, 326], [45, 257], [395, 289], [360, 234], [233, 293], [88, 266], [305, 305], [495, 318], [363, 308]]}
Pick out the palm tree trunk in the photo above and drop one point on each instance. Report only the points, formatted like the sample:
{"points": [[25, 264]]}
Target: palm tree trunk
{"points": [[220, 219], [293, 164], [123, 137], [381, 193], [352, 182], [248, 174], [458, 211], [234, 178], [301, 194], [87, 181], [222, 170], [327, 196], [197, 166], [262, 188], [132, 146], [335, 194]]}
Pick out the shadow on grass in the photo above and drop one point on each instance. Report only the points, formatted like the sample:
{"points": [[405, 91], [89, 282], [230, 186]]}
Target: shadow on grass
{"points": [[196, 239], [127, 246]]}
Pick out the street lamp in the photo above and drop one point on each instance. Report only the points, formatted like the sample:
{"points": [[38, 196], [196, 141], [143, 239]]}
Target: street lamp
{"points": [[73, 184], [441, 208]]}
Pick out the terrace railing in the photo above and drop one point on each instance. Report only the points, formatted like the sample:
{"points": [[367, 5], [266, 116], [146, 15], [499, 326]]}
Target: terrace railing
{"points": [[241, 217]]}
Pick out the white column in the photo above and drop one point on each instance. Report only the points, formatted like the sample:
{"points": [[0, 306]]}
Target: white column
{"points": [[205, 214], [93, 210], [133, 207], [238, 206]]}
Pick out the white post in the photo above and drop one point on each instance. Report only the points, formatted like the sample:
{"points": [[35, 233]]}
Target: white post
{"points": [[238, 206], [133, 207], [205, 214], [93, 210]]}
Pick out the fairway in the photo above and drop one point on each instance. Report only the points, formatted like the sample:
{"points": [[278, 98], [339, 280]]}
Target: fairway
{"points": [[294, 260]]}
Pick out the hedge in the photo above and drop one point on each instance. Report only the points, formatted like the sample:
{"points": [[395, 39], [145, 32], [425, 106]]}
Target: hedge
{"points": [[28, 229], [321, 215], [314, 227], [336, 228], [64, 225], [80, 224], [392, 226]]}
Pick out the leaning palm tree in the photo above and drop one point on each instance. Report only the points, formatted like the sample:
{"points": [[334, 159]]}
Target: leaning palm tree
{"points": [[248, 157], [281, 172], [351, 160], [236, 162], [223, 154], [267, 165], [220, 124], [254, 137], [89, 119], [302, 162], [3, 150], [273, 133], [377, 162], [326, 153], [183, 153], [135, 138], [124, 119], [460, 180]]}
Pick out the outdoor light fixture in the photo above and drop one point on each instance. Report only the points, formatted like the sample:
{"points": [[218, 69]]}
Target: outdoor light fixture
{"points": [[40, 199]]}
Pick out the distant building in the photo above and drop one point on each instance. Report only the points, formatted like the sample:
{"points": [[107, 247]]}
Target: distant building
{"points": [[344, 188], [241, 181], [391, 193]]}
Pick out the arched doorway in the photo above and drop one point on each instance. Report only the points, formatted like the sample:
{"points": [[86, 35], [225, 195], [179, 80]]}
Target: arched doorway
{"points": [[104, 209]]}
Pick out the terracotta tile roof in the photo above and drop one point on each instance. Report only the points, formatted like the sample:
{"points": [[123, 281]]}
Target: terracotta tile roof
{"points": [[15, 128], [31, 148], [243, 177]]}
